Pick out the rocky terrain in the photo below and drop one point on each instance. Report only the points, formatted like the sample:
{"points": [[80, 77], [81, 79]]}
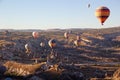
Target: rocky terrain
{"points": [[97, 57]]}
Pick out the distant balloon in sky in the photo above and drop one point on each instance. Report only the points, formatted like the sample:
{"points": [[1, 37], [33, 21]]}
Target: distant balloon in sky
{"points": [[102, 13], [88, 5], [52, 43], [35, 34]]}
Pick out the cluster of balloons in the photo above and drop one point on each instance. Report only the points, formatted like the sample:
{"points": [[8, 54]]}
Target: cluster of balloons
{"points": [[51, 43], [76, 42]]}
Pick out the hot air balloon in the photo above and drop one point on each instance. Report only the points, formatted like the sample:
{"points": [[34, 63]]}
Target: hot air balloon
{"points": [[28, 48], [78, 37], [35, 34], [102, 13], [88, 5], [77, 43], [66, 35], [42, 44], [52, 43]]}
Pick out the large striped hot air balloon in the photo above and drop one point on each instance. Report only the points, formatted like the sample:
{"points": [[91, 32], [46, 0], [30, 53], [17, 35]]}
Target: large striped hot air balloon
{"points": [[52, 43], [102, 13], [35, 34]]}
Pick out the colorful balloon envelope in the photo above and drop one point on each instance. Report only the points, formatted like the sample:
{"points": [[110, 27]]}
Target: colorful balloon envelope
{"points": [[35, 34], [102, 13], [52, 43]]}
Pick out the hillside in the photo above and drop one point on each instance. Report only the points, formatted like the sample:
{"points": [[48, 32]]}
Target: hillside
{"points": [[98, 53]]}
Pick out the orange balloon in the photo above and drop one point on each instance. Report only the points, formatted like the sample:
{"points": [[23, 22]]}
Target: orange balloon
{"points": [[35, 34], [102, 13], [52, 43]]}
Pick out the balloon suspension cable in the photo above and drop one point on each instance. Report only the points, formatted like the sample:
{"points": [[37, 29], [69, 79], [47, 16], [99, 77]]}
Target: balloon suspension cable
{"points": [[100, 27], [102, 24]]}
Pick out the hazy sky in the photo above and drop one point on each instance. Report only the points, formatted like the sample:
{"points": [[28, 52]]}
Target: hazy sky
{"points": [[47, 14]]}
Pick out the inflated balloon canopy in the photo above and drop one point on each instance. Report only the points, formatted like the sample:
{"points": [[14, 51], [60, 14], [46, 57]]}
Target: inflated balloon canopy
{"points": [[102, 13]]}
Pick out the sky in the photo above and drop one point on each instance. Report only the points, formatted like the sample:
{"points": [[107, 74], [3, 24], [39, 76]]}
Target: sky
{"points": [[50, 14]]}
